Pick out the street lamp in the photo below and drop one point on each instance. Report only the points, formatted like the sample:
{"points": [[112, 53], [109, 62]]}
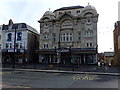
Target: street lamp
{"points": [[14, 47], [58, 53]]}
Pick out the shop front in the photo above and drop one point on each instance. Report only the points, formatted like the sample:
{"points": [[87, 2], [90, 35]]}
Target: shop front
{"points": [[68, 56]]}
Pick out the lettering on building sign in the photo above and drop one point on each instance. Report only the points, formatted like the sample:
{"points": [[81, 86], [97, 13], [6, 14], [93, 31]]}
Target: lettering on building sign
{"points": [[63, 50]]}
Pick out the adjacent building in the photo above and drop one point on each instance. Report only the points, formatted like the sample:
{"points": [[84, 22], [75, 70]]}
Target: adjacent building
{"points": [[116, 33], [109, 58], [19, 43], [69, 35], [0, 43]]}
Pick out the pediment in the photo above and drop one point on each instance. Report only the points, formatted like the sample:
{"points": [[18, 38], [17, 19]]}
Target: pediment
{"points": [[65, 15]]}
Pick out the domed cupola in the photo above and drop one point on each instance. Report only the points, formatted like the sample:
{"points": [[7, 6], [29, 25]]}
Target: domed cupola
{"points": [[49, 14], [89, 7]]}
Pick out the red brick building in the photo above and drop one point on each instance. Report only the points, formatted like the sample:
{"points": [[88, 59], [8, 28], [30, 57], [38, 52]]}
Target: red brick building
{"points": [[116, 33]]}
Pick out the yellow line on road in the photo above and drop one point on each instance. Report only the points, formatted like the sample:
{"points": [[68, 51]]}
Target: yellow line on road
{"points": [[10, 72]]}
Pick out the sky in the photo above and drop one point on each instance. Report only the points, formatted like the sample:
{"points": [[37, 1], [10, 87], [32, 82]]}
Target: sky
{"points": [[30, 11]]}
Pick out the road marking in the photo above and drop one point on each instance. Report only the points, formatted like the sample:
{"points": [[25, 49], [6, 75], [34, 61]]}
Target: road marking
{"points": [[10, 72], [84, 77], [10, 86], [22, 87]]}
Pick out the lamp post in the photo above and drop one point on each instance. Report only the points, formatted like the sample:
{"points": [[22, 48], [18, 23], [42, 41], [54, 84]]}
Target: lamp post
{"points": [[14, 47], [24, 57], [58, 53]]}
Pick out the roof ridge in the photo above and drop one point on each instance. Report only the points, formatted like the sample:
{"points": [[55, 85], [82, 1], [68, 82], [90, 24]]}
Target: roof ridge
{"points": [[69, 7]]}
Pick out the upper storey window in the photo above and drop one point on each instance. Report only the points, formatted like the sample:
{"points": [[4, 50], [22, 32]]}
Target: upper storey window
{"points": [[20, 26], [60, 13], [45, 36], [9, 37], [19, 36], [66, 37], [0, 36], [78, 11], [69, 11]]}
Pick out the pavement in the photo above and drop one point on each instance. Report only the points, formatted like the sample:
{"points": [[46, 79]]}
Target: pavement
{"points": [[56, 68], [63, 71]]}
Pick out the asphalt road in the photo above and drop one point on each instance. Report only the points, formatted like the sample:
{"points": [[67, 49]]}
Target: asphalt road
{"points": [[23, 79]]}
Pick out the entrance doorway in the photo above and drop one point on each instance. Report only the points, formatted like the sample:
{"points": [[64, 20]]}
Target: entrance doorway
{"points": [[65, 58]]}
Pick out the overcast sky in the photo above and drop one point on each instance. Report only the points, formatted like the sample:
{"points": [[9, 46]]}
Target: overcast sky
{"points": [[30, 11]]}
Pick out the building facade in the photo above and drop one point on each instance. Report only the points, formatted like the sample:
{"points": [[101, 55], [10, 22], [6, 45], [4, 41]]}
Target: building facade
{"points": [[109, 58], [1, 43], [19, 42], [69, 35], [116, 33]]}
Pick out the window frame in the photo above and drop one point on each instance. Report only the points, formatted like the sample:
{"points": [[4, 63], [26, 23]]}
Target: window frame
{"points": [[9, 37], [19, 37]]}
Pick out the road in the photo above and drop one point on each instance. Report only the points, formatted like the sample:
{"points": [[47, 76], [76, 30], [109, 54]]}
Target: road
{"points": [[25, 79]]}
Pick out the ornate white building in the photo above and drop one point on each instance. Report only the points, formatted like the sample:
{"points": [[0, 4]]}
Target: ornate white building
{"points": [[69, 35]]}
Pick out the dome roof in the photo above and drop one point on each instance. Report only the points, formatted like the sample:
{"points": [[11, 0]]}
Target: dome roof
{"points": [[49, 13], [89, 7]]}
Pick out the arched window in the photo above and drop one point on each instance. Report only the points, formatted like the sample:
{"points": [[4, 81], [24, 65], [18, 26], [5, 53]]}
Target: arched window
{"points": [[19, 36], [9, 37], [67, 24]]}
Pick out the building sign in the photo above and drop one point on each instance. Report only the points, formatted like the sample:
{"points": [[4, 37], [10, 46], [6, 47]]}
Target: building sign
{"points": [[10, 50], [63, 50]]}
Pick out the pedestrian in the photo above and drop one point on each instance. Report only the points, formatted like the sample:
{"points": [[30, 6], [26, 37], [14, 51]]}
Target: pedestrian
{"points": [[102, 63], [99, 64]]}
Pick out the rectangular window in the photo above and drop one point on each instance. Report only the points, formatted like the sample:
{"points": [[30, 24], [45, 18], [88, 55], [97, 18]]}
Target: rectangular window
{"points": [[20, 45], [54, 37], [69, 11], [90, 44], [91, 34], [70, 38], [79, 36], [87, 34], [45, 46], [78, 11], [60, 13], [17, 45], [87, 44], [63, 38], [10, 45], [7, 45], [67, 38], [0, 36]]}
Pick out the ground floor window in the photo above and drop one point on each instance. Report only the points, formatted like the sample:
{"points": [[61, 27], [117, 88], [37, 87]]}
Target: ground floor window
{"points": [[68, 58]]}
